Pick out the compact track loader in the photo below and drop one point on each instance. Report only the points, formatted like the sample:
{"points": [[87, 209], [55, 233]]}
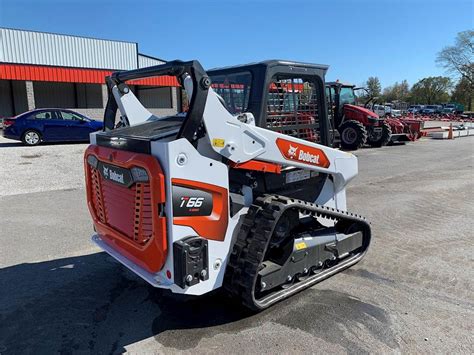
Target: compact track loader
{"points": [[241, 191]]}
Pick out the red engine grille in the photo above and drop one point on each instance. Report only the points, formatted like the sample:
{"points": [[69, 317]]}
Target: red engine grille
{"points": [[127, 210], [129, 219]]}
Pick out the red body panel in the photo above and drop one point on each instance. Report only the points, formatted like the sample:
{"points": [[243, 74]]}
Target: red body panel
{"points": [[358, 113], [128, 219], [302, 153], [258, 165], [396, 126], [411, 127], [211, 227]]}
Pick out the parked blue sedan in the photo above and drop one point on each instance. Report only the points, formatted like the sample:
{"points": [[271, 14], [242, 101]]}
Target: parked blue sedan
{"points": [[49, 125]]}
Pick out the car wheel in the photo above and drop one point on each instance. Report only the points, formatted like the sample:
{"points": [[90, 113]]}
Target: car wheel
{"points": [[31, 137]]}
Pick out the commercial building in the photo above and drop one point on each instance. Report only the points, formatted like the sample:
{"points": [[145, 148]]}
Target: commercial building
{"points": [[39, 70]]}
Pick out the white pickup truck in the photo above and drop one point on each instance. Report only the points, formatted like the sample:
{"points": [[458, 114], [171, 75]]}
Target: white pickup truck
{"points": [[386, 110]]}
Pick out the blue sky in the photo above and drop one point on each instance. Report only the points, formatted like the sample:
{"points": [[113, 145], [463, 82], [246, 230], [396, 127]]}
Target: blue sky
{"points": [[391, 39]]}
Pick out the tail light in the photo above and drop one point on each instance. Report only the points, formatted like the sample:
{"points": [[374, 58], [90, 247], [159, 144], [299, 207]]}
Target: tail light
{"points": [[7, 122]]}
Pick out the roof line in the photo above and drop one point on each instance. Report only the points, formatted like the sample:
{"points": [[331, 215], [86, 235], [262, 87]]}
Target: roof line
{"points": [[151, 57], [272, 62], [60, 66], [67, 35]]}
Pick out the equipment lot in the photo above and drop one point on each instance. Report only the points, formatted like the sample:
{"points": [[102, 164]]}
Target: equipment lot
{"points": [[413, 292]]}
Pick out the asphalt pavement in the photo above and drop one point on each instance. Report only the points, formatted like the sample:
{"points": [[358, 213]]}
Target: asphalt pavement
{"points": [[413, 292]]}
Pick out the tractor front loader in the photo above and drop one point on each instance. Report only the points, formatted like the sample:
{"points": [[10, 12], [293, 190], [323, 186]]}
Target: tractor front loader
{"points": [[240, 192]]}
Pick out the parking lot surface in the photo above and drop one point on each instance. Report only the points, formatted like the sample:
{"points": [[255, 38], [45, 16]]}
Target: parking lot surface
{"points": [[413, 292]]}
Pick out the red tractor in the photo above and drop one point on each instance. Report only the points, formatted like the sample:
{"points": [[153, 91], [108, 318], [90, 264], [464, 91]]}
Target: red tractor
{"points": [[356, 125]]}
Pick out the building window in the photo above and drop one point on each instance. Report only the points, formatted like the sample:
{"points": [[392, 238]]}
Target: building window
{"points": [[67, 95], [154, 97]]}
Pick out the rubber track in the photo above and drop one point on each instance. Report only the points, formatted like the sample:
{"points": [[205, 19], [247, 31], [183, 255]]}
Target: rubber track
{"points": [[254, 237]]}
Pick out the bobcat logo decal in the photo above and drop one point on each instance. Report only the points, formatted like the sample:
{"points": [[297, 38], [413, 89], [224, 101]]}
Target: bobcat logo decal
{"points": [[302, 153], [292, 151]]}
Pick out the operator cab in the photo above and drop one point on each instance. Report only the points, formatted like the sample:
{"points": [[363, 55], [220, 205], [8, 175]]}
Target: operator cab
{"points": [[282, 96], [287, 97]]}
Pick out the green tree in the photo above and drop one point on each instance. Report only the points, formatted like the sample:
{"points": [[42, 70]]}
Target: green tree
{"points": [[373, 86], [397, 92], [464, 94], [431, 90], [458, 59]]}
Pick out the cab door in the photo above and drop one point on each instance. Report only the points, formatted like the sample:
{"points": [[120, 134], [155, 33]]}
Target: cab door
{"points": [[48, 123]]}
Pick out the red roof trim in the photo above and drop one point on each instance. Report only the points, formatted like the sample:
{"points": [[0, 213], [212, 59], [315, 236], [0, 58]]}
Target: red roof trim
{"points": [[71, 75]]}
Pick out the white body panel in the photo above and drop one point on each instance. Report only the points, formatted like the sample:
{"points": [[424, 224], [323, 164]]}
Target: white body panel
{"points": [[243, 142], [205, 170]]}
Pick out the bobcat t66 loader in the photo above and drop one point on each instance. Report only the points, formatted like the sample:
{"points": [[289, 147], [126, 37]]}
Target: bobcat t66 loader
{"points": [[240, 192]]}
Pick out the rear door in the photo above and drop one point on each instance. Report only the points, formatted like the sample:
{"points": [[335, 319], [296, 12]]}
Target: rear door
{"points": [[46, 122], [78, 128]]}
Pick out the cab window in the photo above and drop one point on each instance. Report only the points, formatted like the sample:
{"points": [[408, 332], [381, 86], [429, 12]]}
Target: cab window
{"points": [[292, 107], [346, 96], [234, 89]]}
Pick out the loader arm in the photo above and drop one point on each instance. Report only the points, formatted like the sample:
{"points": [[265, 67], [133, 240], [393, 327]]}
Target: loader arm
{"points": [[241, 142]]}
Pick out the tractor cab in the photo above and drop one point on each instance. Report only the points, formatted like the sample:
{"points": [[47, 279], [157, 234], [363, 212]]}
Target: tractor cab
{"points": [[356, 125], [342, 98]]}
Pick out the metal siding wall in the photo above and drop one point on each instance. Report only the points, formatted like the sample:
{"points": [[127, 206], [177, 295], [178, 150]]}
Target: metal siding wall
{"points": [[81, 95], [144, 61], [13, 99], [19, 96], [94, 96], [89, 96], [155, 97], [6, 109], [28, 47], [74, 75], [60, 95]]}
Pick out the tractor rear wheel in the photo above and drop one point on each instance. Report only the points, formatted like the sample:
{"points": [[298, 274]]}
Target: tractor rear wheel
{"points": [[382, 139], [353, 135]]}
